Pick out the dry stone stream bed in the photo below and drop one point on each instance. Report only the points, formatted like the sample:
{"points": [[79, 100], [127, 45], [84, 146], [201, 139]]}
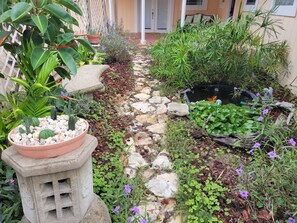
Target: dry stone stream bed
{"points": [[150, 111]]}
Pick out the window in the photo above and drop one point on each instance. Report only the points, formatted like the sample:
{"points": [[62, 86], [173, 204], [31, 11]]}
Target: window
{"points": [[285, 7], [196, 4], [250, 5]]}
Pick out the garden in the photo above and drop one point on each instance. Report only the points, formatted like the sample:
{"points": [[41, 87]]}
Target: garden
{"points": [[235, 162]]}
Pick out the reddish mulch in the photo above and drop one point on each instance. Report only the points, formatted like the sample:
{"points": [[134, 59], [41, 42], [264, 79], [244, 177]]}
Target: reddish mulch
{"points": [[119, 81]]}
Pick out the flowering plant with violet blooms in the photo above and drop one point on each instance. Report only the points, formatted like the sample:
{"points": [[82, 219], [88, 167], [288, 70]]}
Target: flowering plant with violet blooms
{"points": [[268, 180]]}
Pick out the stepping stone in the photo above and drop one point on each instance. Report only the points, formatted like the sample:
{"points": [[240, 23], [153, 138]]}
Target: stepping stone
{"points": [[135, 160], [157, 128], [86, 80], [162, 162], [155, 100], [142, 138], [156, 93], [153, 210], [143, 107], [162, 118], [161, 109], [142, 96], [146, 90], [147, 174], [164, 185], [146, 118], [178, 109], [165, 100]]}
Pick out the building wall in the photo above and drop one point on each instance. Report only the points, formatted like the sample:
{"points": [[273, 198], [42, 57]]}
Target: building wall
{"points": [[124, 14], [289, 33], [223, 10]]}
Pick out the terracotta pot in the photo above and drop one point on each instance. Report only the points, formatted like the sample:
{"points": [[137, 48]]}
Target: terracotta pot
{"points": [[52, 150], [93, 38]]}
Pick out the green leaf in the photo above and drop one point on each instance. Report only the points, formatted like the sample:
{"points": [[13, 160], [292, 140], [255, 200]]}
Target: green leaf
{"points": [[3, 36], [41, 22], [65, 38], [38, 57], [3, 6], [20, 81], [5, 16], [63, 73], [72, 6], [86, 45], [47, 68], [59, 12], [68, 60], [20, 10]]}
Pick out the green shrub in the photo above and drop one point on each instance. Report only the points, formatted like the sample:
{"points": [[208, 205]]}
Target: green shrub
{"points": [[116, 45], [232, 52]]}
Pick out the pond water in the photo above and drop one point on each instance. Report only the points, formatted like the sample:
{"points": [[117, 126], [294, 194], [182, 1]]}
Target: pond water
{"points": [[223, 92]]}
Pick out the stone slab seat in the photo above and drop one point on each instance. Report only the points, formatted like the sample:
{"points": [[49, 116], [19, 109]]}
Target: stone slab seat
{"points": [[87, 79]]}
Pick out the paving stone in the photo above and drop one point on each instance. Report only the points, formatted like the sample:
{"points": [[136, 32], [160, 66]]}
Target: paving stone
{"points": [[147, 174], [164, 185], [147, 118], [143, 107], [146, 90], [176, 219], [130, 145], [142, 138], [156, 93], [155, 100], [135, 160], [161, 162], [153, 210], [169, 205], [165, 100], [142, 96], [156, 137], [161, 109], [178, 109], [162, 118], [157, 128]]}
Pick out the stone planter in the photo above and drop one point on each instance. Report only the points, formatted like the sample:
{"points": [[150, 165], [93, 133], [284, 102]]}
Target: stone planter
{"points": [[60, 189], [48, 150]]}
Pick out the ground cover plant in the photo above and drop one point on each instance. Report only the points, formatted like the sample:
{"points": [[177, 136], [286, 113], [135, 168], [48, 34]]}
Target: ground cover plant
{"points": [[234, 52]]}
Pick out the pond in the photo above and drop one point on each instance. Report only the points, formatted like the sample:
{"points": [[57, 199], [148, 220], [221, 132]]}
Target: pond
{"points": [[225, 93]]}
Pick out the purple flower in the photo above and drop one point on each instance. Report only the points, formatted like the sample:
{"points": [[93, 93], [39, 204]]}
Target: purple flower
{"points": [[11, 181], [272, 154], [235, 88], [195, 44], [135, 210], [256, 145], [251, 152], [265, 111], [239, 171], [143, 221], [244, 194], [258, 94], [103, 48], [127, 189], [292, 142], [260, 119], [129, 219], [116, 209], [291, 220]]}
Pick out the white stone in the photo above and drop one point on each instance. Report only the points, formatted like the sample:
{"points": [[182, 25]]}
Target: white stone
{"points": [[155, 100], [157, 128], [178, 109], [146, 118], [147, 174], [156, 93], [161, 109], [142, 96], [176, 219], [153, 210], [146, 90], [142, 138], [164, 185], [165, 100], [162, 162], [143, 107], [135, 160]]}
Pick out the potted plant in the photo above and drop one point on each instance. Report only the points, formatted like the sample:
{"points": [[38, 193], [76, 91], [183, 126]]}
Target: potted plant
{"points": [[93, 36]]}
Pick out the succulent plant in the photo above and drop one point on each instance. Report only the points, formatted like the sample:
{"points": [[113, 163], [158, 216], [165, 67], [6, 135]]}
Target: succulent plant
{"points": [[71, 122], [54, 113], [22, 131], [46, 133], [35, 121], [27, 122]]}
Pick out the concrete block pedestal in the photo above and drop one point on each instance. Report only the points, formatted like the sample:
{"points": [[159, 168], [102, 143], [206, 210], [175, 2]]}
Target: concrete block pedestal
{"points": [[60, 189]]}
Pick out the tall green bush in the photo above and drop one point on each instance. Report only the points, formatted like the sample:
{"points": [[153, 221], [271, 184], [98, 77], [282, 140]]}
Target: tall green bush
{"points": [[237, 52]]}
